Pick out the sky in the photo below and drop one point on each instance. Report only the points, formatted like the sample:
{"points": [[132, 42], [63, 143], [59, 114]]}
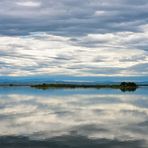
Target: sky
{"points": [[74, 37]]}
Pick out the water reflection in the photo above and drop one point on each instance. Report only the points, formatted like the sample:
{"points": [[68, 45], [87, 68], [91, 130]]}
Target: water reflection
{"points": [[73, 118]]}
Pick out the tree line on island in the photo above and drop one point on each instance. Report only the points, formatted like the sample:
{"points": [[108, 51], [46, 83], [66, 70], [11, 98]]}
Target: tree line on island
{"points": [[124, 86]]}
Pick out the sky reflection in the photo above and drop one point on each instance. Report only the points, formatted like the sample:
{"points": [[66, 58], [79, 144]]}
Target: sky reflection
{"points": [[120, 117]]}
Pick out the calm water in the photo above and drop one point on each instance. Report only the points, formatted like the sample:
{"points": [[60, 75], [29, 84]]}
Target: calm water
{"points": [[73, 118]]}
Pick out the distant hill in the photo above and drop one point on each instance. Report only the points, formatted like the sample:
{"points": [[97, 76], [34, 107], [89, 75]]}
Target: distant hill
{"points": [[6, 80]]}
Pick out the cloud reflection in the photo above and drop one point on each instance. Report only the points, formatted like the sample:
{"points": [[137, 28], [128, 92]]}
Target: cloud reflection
{"points": [[98, 116]]}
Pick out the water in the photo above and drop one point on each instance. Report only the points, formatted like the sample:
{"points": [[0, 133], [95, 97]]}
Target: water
{"points": [[73, 118]]}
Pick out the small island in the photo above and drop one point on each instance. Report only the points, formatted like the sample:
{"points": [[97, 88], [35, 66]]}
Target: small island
{"points": [[128, 86], [124, 86]]}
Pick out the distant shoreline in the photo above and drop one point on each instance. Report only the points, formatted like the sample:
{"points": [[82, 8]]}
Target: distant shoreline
{"points": [[76, 84], [123, 86]]}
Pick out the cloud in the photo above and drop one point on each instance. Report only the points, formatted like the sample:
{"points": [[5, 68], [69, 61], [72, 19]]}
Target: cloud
{"points": [[91, 55], [72, 17], [29, 4], [91, 37]]}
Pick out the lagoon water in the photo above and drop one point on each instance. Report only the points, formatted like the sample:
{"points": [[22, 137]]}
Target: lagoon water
{"points": [[73, 118]]}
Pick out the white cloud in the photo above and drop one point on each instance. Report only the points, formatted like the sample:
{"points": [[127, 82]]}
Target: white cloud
{"points": [[100, 13], [29, 3], [94, 54]]}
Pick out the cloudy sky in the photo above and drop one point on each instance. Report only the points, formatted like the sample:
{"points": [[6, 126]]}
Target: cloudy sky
{"points": [[74, 37]]}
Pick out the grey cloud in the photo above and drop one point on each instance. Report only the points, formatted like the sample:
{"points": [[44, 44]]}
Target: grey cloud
{"points": [[140, 67], [70, 18], [134, 59]]}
